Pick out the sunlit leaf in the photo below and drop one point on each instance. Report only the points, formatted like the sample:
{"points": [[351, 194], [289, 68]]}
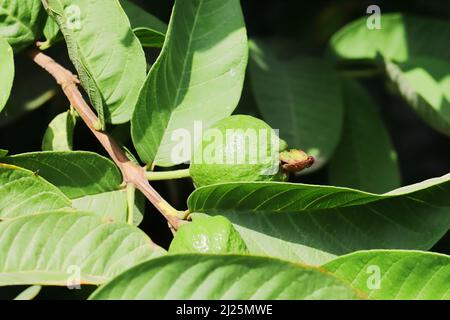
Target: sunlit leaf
{"points": [[92, 182], [24, 192], [400, 38], [111, 205], [59, 134], [111, 70], [21, 22], [425, 84], [403, 275], [223, 277], [313, 224], [198, 77], [77, 174], [50, 248], [6, 72]]}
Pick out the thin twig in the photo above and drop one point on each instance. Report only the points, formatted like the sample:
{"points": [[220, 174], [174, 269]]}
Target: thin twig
{"points": [[167, 175], [132, 173]]}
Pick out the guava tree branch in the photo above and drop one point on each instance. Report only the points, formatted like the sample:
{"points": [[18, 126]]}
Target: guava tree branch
{"points": [[132, 173]]}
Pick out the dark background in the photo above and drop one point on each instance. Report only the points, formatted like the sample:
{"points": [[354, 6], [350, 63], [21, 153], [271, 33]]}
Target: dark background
{"points": [[305, 27]]}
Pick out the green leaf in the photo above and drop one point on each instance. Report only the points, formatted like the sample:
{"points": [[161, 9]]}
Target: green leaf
{"points": [[21, 22], [400, 38], [93, 182], [365, 158], [149, 38], [402, 275], [29, 294], [51, 32], [290, 96], [223, 277], [6, 72], [425, 84], [3, 153], [313, 224], [77, 174], [198, 77], [111, 205], [59, 134], [139, 18], [148, 29], [32, 88], [23, 192], [111, 70], [51, 248]]}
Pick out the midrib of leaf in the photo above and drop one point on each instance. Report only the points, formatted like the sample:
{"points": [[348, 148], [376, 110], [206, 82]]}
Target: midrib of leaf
{"points": [[185, 60], [85, 279], [194, 26]]}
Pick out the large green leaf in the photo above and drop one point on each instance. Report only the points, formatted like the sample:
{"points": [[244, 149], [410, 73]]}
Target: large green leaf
{"points": [[21, 22], [6, 71], [425, 84], [312, 224], [59, 134], [50, 248], [365, 159], [107, 55], [395, 274], [77, 174], [223, 277], [290, 96], [23, 192], [400, 38], [198, 77]]}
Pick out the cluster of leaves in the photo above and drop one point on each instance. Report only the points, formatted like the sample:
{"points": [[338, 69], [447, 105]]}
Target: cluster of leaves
{"points": [[62, 208]]}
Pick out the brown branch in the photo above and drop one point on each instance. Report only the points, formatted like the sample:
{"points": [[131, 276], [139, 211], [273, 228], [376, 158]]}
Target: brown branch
{"points": [[132, 173]]}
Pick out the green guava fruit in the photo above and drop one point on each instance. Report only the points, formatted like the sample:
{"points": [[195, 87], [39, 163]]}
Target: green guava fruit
{"points": [[206, 234], [239, 148]]}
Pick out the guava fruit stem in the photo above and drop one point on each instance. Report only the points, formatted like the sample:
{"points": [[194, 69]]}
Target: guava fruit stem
{"points": [[167, 175]]}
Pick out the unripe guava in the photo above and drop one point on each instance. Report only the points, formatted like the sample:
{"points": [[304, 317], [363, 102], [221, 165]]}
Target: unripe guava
{"points": [[239, 148], [206, 234]]}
